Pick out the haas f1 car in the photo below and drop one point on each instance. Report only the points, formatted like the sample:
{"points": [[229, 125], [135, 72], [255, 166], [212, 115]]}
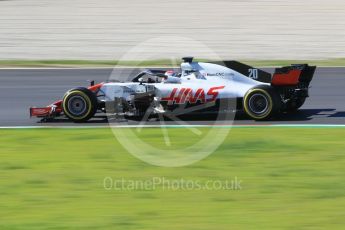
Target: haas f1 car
{"points": [[196, 85]]}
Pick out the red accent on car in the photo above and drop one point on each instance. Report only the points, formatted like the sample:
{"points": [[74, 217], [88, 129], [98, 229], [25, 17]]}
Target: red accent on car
{"points": [[58, 103], [214, 93], [58, 108], [180, 97], [95, 88], [55, 108], [183, 95], [200, 96], [170, 98], [187, 95], [289, 78], [40, 112]]}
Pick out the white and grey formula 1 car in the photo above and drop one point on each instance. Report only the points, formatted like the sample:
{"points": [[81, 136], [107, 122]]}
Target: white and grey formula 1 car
{"points": [[204, 86]]}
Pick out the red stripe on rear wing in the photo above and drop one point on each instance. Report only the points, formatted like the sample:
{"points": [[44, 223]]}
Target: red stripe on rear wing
{"points": [[293, 75]]}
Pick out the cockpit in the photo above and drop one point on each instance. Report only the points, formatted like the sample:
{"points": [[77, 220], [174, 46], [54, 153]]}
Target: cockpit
{"points": [[156, 76]]}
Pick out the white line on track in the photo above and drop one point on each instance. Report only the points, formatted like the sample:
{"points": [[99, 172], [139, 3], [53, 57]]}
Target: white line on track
{"points": [[180, 126]]}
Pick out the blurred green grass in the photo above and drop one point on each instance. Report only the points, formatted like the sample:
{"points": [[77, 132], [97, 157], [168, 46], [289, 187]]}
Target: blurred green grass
{"points": [[292, 178], [155, 63]]}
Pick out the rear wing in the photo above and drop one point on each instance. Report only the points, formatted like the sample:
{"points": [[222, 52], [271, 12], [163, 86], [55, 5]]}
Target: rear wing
{"points": [[284, 76], [293, 75]]}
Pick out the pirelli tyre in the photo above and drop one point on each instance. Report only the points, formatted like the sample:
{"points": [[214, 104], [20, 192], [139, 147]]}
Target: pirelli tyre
{"points": [[261, 102], [79, 104]]}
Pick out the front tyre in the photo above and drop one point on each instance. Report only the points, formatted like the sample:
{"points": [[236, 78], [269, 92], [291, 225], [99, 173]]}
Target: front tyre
{"points": [[261, 102], [79, 104]]}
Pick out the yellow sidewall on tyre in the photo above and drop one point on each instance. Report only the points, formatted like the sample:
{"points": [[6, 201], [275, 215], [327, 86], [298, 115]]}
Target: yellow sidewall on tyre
{"points": [[269, 111], [89, 105]]}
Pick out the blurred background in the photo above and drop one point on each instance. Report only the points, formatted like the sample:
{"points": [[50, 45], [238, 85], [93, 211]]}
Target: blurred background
{"points": [[106, 29]]}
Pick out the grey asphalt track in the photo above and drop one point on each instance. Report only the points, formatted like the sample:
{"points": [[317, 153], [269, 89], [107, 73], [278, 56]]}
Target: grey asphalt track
{"points": [[23, 88]]}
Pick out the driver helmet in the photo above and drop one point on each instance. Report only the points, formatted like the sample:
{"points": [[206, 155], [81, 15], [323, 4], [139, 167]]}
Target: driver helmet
{"points": [[170, 73]]}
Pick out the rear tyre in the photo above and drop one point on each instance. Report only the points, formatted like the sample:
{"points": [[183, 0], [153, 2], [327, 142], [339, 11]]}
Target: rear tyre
{"points": [[79, 104], [261, 102]]}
